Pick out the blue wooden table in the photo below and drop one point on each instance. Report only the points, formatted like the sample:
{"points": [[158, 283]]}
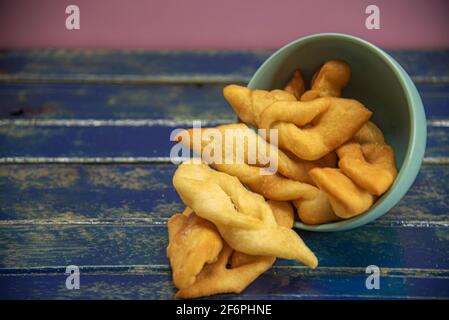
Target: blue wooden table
{"points": [[85, 179]]}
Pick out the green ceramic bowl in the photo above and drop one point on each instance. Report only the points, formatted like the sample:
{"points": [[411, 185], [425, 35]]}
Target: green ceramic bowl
{"points": [[381, 84]]}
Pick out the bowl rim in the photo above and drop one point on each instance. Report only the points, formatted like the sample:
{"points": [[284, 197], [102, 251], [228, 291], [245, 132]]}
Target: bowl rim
{"points": [[416, 143]]}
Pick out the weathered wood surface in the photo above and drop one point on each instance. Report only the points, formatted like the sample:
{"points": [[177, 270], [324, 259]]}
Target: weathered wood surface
{"points": [[26, 246], [156, 101], [110, 218], [144, 193], [100, 101], [140, 66], [150, 140], [274, 284], [115, 216]]}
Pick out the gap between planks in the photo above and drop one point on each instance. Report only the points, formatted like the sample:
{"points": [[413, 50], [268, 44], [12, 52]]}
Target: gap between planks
{"points": [[160, 79], [114, 122], [140, 80], [444, 123], [165, 269], [135, 160], [162, 222], [136, 123]]}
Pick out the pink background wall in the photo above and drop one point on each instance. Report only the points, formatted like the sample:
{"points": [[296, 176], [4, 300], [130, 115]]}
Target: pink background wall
{"points": [[218, 24]]}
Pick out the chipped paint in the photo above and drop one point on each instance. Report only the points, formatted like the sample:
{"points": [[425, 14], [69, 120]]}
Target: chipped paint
{"points": [[134, 179], [41, 178]]}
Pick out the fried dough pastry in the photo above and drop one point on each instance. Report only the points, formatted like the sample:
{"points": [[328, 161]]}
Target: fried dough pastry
{"points": [[346, 198], [375, 174], [284, 186], [272, 186], [368, 160], [312, 129], [193, 242], [284, 216], [369, 133], [315, 210], [243, 218], [249, 104], [329, 80], [297, 169], [234, 271], [187, 211], [296, 85], [217, 278]]}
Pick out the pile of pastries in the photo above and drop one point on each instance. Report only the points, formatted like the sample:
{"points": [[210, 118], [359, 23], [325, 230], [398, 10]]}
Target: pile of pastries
{"points": [[331, 161]]}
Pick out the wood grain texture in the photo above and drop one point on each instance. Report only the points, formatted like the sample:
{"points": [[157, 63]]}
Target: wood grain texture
{"points": [[27, 246], [98, 101], [126, 141], [156, 101], [43, 194], [275, 284], [148, 66], [110, 219]]}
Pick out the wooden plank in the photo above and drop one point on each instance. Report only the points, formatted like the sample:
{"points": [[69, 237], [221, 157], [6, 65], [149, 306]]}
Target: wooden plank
{"points": [[105, 141], [67, 193], [275, 284], [423, 63], [144, 66], [437, 142], [31, 246], [175, 102], [95, 101], [114, 215], [126, 65], [150, 139], [144, 194], [435, 98]]}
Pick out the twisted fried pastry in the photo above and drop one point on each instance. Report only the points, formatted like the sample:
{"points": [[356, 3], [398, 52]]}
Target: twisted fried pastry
{"points": [[296, 85], [374, 176], [243, 218], [330, 123], [329, 80], [283, 186], [368, 160], [193, 242], [346, 198], [315, 210], [249, 104], [218, 277]]}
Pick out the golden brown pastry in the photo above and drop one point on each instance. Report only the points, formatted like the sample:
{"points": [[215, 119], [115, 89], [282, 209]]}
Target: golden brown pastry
{"points": [[296, 85], [371, 166], [193, 242], [216, 278], [368, 160], [329, 80], [307, 129], [316, 210], [234, 270], [243, 218], [346, 198], [284, 185], [249, 104], [312, 129], [369, 133]]}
